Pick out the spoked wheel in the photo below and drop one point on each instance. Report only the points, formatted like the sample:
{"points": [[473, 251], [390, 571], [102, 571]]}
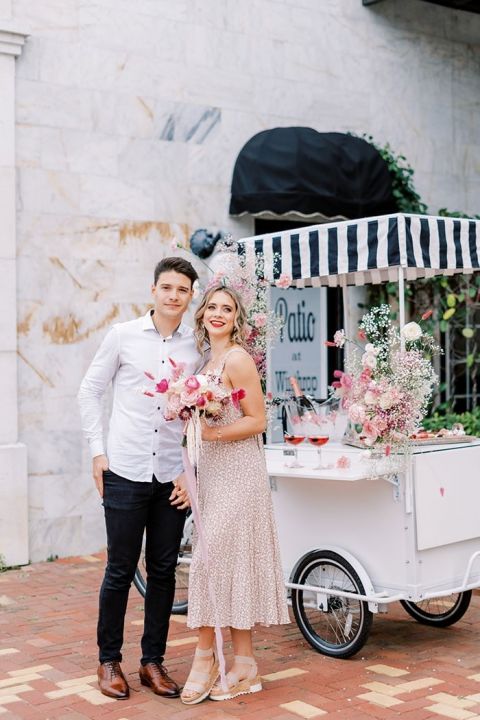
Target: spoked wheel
{"points": [[333, 625], [439, 612], [180, 603]]}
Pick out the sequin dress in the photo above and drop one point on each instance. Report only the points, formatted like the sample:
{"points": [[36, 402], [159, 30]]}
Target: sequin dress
{"points": [[244, 569]]}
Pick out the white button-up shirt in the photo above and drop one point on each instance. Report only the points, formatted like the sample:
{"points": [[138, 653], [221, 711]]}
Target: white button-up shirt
{"points": [[141, 443]]}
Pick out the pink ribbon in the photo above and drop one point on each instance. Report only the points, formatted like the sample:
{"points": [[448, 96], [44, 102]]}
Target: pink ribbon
{"points": [[192, 492]]}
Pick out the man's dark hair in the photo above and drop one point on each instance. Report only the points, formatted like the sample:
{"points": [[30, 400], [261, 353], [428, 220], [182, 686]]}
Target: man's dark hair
{"points": [[178, 265]]}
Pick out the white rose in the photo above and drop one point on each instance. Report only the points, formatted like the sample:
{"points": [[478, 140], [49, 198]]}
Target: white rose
{"points": [[370, 398], [386, 401], [412, 331], [369, 361], [371, 349]]}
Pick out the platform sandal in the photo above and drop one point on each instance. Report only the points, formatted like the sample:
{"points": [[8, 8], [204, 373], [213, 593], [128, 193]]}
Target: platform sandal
{"points": [[200, 684], [250, 684]]}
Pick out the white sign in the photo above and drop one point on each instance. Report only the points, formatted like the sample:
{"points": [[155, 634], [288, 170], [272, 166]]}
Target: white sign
{"points": [[300, 350]]}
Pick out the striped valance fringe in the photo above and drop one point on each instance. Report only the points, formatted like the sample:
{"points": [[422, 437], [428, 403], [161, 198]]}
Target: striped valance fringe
{"points": [[370, 250]]}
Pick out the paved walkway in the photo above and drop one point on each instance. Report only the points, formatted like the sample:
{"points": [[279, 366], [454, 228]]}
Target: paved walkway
{"points": [[48, 662]]}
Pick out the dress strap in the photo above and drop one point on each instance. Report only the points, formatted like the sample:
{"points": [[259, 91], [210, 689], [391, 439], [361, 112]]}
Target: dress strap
{"points": [[232, 350]]}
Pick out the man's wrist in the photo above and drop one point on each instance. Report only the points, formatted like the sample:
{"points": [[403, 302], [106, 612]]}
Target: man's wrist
{"points": [[96, 448]]}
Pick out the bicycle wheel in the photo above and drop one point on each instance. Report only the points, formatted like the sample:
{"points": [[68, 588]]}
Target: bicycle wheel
{"points": [[341, 626], [439, 612], [180, 603]]}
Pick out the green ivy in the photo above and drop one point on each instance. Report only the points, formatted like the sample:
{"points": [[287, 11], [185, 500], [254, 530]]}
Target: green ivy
{"points": [[452, 298], [406, 197]]}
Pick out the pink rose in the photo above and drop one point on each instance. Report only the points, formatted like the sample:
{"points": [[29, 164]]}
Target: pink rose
{"points": [[162, 386], [201, 402], [259, 320], [284, 281], [370, 430], [191, 383], [356, 413], [189, 397]]}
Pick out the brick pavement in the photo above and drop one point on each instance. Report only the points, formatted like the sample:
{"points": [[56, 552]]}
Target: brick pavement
{"points": [[48, 662]]}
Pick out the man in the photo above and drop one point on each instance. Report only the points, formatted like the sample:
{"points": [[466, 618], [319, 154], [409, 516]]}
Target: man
{"points": [[139, 474]]}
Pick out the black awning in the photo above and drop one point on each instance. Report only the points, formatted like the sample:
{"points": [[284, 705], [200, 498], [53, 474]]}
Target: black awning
{"points": [[469, 5], [299, 170]]}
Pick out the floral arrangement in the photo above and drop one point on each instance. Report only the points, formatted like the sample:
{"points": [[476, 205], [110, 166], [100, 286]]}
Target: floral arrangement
{"points": [[388, 382], [191, 397], [247, 278]]}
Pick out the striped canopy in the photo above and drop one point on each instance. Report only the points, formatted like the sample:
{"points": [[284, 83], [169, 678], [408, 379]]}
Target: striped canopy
{"points": [[370, 250]]}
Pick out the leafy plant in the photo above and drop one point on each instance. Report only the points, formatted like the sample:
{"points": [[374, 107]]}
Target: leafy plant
{"points": [[454, 299], [403, 189], [446, 419]]}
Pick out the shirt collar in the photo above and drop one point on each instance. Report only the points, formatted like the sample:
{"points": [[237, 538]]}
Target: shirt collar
{"points": [[147, 324]]}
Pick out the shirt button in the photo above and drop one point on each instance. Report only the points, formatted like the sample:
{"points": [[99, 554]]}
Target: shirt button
{"points": [[158, 408], [154, 453], [156, 430], [164, 340], [163, 361]]}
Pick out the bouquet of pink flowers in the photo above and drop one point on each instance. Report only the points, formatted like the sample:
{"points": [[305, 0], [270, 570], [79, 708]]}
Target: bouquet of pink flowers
{"points": [[190, 397], [193, 395], [388, 383]]}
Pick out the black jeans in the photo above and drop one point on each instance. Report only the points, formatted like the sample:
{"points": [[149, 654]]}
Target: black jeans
{"points": [[130, 509]]}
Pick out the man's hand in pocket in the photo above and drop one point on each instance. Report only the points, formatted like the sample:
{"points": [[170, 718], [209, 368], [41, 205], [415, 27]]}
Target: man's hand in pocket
{"points": [[100, 463]]}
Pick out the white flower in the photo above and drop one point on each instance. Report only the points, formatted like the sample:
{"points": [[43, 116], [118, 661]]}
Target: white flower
{"points": [[386, 401], [369, 361], [196, 289], [339, 338], [203, 380], [370, 398], [371, 349], [412, 331]]}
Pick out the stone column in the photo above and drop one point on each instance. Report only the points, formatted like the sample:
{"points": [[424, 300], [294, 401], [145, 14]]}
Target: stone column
{"points": [[13, 455]]}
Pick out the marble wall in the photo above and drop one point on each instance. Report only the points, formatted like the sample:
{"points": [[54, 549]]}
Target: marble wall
{"points": [[129, 117]]}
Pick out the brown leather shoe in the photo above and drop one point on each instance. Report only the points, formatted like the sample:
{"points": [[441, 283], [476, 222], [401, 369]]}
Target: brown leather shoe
{"points": [[155, 676], [112, 681]]}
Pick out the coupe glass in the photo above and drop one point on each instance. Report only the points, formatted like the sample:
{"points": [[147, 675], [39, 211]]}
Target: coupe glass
{"points": [[293, 430]]}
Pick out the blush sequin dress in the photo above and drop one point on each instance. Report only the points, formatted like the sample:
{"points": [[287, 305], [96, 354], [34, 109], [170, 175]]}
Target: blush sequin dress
{"points": [[244, 570]]}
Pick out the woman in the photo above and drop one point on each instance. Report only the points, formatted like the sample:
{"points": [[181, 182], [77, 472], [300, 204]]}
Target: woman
{"points": [[244, 573]]}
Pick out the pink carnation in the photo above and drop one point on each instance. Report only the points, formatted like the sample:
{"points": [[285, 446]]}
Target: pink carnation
{"points": [[284, 281], [356, 413], [259, 320]]}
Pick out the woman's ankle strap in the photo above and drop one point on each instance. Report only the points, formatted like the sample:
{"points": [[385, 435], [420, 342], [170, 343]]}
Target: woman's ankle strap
{"points": [[204, 653], [245, 660]]}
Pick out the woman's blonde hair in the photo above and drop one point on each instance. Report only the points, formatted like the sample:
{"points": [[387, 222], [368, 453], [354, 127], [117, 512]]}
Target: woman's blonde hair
{"points": [[239, 334]]}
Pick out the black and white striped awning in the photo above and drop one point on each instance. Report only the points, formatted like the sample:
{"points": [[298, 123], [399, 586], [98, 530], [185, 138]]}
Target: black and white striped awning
{"points": [[370, 250]]}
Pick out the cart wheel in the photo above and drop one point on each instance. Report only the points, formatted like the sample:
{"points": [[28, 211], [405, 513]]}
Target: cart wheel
{"points": [[342, 627], [440, 612], [180, 602]]}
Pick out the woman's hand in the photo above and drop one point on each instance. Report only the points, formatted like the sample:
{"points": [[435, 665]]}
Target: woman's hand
{"points": [[179, 497], [209, 433]]}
